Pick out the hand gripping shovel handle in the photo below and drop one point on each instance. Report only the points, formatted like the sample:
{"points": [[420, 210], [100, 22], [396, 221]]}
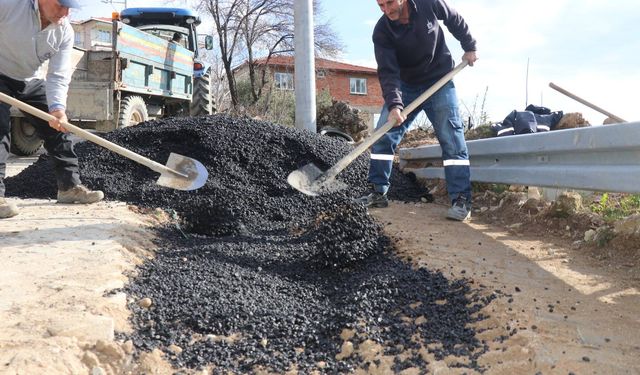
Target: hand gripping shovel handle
{"points": [[91, 137], [345, 161]]}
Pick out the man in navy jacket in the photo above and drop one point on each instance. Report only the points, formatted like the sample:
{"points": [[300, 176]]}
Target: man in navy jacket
{"points": [[412, 55]]}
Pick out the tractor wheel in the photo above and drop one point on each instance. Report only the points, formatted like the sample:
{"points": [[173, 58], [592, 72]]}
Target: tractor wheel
{"points": [[24, 138], [202, 102], [334, 132], [133, 111]]}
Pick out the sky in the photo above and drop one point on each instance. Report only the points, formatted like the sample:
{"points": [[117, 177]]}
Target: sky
{"points": [[588, 47]]}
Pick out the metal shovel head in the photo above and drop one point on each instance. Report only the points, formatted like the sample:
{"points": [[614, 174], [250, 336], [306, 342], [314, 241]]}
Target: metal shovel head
{"points": [[195, 174], [310, 180]]}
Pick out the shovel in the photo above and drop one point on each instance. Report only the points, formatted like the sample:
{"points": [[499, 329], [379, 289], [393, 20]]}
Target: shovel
{"points": [[310, 180], [181, 172], [588, 104]]}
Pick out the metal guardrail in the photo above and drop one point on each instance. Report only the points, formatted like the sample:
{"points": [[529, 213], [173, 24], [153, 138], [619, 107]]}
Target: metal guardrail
{"points": [[598, 158]]}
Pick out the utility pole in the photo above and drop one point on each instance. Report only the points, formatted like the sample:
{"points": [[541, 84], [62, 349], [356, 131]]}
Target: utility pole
{"points": [[305, 77], [526, 89]]}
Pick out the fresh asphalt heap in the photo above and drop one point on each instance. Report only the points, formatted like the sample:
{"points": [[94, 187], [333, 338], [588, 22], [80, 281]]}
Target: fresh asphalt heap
{"points": [[282, 273]]}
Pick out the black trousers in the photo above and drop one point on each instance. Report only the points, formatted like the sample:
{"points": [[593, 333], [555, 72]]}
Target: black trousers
{"points": [[58, 145]]}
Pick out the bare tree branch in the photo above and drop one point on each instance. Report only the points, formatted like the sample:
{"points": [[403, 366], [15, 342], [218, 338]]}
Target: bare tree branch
{"points": [[265, 28]]}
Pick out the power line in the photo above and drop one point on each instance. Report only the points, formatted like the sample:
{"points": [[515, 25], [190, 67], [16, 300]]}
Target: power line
{"points": [[124, 2]]}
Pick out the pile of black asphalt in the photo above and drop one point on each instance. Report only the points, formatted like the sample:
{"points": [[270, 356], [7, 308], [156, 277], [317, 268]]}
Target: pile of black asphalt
{"points": [[256, 275]]}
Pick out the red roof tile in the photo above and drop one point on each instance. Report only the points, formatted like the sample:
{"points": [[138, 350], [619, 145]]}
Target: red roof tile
{"points": [[320, 64]]}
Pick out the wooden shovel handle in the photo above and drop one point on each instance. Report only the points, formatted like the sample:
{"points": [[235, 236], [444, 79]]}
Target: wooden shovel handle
{"points": [[155, 166], [579, 99]]}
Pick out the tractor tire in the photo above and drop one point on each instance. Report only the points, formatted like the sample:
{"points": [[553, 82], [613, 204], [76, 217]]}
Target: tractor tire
{"points": [[337, 133], [24, 138], [133, 110], [202, 103]]}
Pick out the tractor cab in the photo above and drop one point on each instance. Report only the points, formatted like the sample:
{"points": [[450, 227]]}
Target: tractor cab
{"points": [[176, 25]]}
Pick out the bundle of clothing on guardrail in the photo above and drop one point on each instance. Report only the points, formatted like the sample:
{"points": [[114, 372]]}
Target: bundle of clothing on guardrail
{"points": [[533, 119]]}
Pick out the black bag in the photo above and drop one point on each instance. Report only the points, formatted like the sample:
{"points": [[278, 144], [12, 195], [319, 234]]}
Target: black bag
{"points": [[538, 110], [522, 122], [549, 121], [546, 119], [527, 122], [499, 130]]}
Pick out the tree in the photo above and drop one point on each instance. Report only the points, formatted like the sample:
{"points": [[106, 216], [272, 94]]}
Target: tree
{"points": [[271, 32], [250, 28], [219, 86], [227, 19]]}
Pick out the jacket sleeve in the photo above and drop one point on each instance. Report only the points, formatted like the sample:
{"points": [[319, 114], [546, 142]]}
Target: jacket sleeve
{"points": [[59, 72], [388, 70], [456, 25]]}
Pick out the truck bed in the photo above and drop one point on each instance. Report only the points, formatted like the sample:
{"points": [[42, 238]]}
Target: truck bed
{"points": [[140, 63]]}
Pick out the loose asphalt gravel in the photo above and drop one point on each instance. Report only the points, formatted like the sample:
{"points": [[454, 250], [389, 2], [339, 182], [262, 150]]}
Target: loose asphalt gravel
{"points": [[255, 274]]}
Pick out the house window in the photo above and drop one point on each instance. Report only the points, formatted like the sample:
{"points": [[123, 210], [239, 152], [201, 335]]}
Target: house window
{"points": [[104, 36], [358, 86], [284, 81], [322, 73], [77, 40]]}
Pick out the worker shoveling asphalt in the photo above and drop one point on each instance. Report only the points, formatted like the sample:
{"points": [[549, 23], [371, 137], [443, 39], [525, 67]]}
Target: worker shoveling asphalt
{"points": [[310, 180], [180, 173]]}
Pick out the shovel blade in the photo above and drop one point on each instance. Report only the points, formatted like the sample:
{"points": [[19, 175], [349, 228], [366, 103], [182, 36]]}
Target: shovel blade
{"points": [[310, 180], [195, 174]]}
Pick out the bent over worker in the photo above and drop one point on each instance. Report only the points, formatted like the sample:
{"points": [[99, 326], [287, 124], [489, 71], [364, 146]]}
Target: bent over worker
{"points": [[412, 55], [31, 33]]}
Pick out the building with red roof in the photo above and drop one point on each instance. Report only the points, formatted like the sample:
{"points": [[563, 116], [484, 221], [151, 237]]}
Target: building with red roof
{"points": [[353, 84]]}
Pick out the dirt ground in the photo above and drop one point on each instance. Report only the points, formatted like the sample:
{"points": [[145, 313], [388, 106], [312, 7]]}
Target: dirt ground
{"points": [[571, 314], [563, 310], [59, 263]]}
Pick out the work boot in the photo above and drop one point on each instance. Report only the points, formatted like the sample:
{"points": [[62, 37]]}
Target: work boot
{"points": [[7, 209], [460, 209], [375, 199], [79, 194]]}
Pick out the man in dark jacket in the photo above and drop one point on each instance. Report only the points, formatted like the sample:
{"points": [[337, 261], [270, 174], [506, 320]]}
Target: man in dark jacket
{"points": [[412, 55]]}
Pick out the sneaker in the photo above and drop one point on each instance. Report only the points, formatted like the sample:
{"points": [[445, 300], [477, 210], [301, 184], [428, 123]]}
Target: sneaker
{"points": [[79, 194], [375, 199], [7, 209], [460, 209]]}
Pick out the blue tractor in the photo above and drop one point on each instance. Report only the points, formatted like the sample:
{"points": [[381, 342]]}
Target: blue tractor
{"points": [[180, 26]]}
